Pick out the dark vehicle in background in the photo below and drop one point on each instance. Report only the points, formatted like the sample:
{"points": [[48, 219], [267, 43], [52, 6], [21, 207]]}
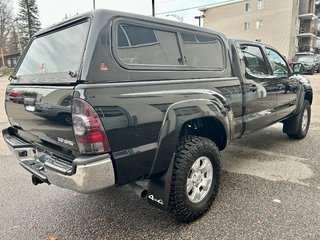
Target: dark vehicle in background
{"points": [[149, 100], [54, 107], [311, 63]]}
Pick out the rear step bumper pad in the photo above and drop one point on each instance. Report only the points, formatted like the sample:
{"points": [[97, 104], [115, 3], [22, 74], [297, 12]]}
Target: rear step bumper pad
{"points": [[86, 174]]}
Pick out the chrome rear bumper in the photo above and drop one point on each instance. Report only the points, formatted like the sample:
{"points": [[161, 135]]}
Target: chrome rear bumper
{"points": [[85, 174]]}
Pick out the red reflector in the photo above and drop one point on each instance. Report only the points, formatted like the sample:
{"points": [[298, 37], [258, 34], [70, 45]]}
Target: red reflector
{"points": [[103, 67], [14, 94]]}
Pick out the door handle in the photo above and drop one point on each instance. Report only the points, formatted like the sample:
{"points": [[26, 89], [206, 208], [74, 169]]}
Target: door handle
{"points": [[253, 88]]}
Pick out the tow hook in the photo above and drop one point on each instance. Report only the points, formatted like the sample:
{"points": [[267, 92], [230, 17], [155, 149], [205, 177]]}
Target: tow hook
{"points": [[36, 180]]}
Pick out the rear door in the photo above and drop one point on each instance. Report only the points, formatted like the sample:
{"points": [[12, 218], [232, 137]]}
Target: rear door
{"points": [[260, 88]]}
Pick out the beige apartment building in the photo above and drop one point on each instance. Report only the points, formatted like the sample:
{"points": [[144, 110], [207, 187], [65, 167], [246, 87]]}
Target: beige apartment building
{"points": [[291, 26]]}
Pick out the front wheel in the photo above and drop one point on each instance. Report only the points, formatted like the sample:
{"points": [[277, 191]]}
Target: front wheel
{"points": [[195, 179], [302, 120]]}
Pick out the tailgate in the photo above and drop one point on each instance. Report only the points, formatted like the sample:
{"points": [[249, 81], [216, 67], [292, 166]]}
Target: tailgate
{"points": [[38, 100], [42, 115]]}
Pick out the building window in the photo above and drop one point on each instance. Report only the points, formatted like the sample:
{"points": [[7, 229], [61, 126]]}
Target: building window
{"points": [[260, 4], [258, 24], [246, 26], [247, 7]]}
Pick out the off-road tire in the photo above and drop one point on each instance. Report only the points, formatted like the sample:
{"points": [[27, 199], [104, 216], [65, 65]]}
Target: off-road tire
{"points": [[303, 121], [190, 150]]}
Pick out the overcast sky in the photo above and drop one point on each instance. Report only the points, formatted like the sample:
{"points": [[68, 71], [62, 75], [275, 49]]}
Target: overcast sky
{"points": [[53, 11]]}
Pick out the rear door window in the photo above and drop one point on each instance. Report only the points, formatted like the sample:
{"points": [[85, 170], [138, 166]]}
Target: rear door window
{"points": [[140, 45]]}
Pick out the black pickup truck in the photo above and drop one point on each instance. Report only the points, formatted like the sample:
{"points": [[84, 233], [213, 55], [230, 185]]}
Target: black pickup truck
{"points": [[109, 98]]}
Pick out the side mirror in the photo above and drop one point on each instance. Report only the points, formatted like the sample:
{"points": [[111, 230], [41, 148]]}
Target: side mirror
{"points": [[298, 68]]}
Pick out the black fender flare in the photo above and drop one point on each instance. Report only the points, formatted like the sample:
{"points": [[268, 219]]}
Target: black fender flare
{"points": [[176, 116], [306, 90]]}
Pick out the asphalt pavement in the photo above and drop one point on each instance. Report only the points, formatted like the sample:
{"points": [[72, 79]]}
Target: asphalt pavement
{"points": [[270, 189]]}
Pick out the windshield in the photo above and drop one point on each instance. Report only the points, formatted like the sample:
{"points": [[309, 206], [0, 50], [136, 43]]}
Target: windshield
{"points": [[56, 52], [307, 59]]}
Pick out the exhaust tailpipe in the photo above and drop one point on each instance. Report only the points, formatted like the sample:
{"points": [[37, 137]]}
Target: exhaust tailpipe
{"points": [[138, 189]]}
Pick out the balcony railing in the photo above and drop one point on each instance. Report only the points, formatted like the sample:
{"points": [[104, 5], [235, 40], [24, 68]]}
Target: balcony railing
{"points": [[311, 30], [308, 49], [308, 32], [305, 49]]}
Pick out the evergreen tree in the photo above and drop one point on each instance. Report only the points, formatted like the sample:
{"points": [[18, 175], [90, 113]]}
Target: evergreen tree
{"points": [[13, 43], [6, 24], [6, 21], [28, 18]]}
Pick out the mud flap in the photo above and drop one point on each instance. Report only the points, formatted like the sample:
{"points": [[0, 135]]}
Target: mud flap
{"points": [[291, 126], [159, 189]]}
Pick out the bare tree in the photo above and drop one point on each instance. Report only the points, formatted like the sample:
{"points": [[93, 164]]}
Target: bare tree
{"points": [[6, 24]]}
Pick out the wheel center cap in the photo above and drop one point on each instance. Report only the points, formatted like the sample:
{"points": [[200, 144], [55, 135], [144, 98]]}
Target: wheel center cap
{"points": [[197, 177]]}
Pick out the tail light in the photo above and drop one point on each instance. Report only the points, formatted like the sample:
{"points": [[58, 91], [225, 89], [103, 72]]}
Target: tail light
{"points": [[88, 129]]}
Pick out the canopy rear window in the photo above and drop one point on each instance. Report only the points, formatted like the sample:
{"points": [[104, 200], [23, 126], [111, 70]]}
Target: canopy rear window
{"points": [[55, 53]]}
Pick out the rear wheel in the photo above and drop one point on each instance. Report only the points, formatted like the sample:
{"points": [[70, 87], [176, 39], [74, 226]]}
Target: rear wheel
{"points": [[302, 120], [195, 179]]}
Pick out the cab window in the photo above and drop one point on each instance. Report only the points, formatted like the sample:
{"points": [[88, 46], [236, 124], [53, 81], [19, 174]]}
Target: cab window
{"points": [[278, 64], [254, 60]]}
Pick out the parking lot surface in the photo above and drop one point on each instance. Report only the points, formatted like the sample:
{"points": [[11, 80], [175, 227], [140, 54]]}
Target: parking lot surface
{"points": [[270, 189]]}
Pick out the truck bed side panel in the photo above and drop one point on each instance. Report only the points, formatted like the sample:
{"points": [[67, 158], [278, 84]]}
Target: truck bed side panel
{"points": [[133, 114]]}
